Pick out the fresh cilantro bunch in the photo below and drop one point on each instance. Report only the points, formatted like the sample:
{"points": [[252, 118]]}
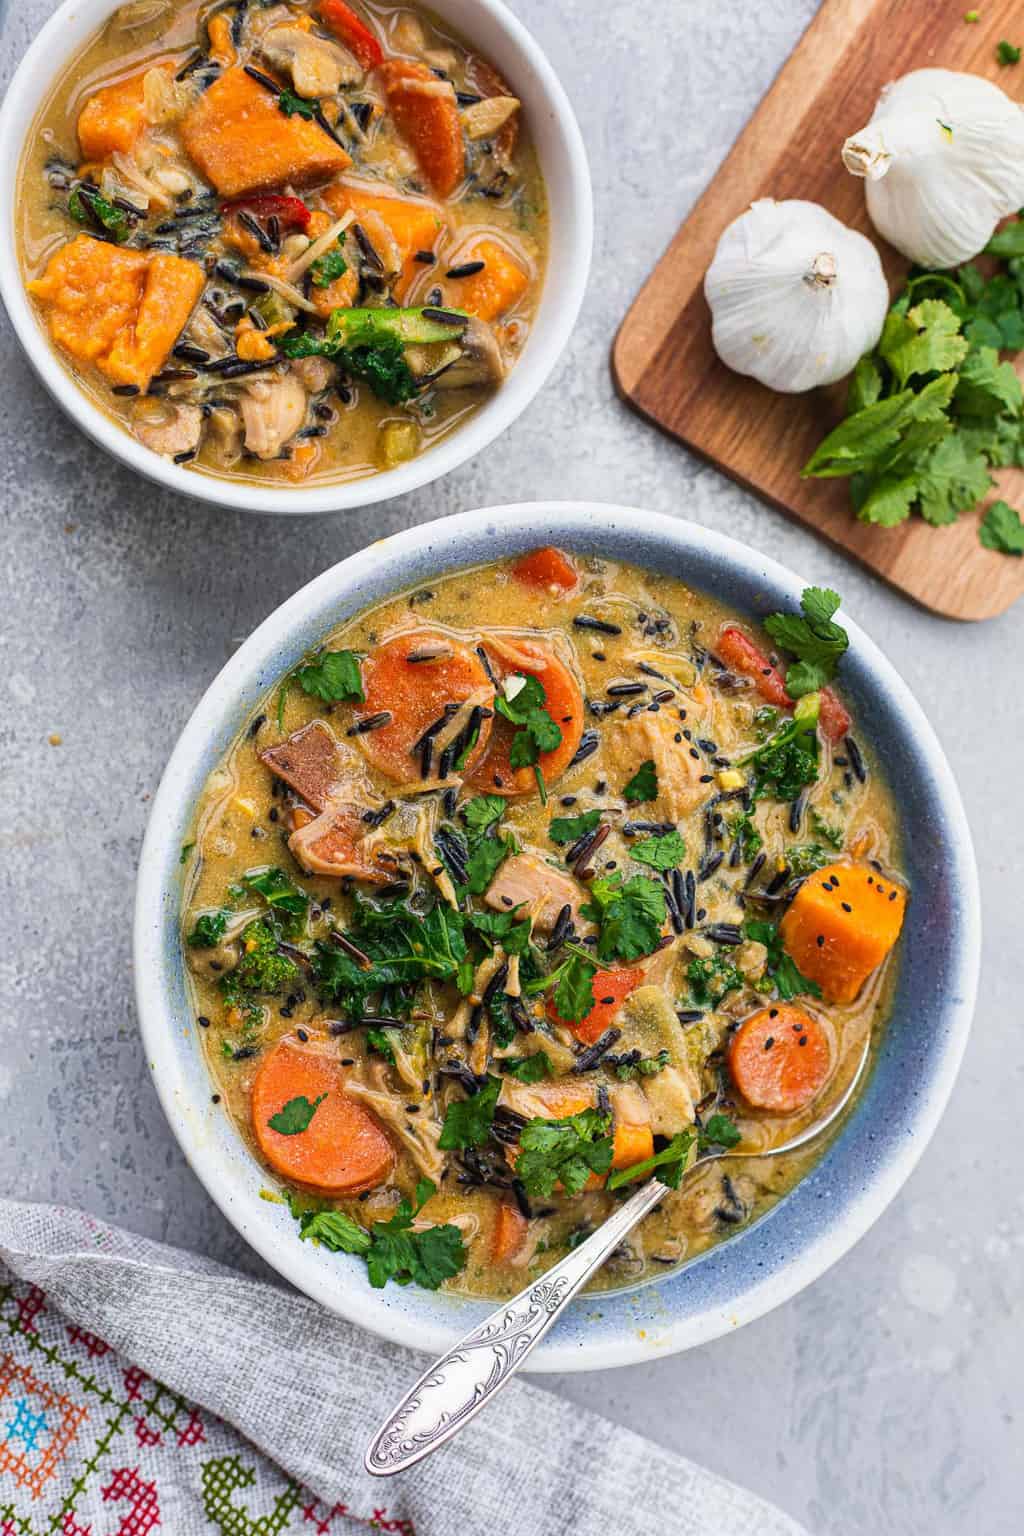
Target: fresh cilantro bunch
{"points": [[563, 1152], [522, 703], [814, 638], [392, 1250], [782, 972], [933, 409], [404, 947]]}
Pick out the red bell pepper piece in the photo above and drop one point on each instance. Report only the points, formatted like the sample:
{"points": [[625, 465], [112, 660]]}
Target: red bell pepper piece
{"points": [[743, 656], [291, 212], [342, 20]]}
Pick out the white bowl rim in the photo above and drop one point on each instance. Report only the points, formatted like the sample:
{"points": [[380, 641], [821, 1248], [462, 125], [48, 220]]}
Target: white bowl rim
{"points": [[159, 854], [561, 297]]}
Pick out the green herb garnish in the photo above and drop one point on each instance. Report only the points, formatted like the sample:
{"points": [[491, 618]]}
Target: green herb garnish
{"points": [[818, 643], [574, 989], [297, 106], [210, 928], [1006, 53], [528, 1069], [665, 850], [643, 785], [294, 1117], [286, 901], [563, 1152], [781, 972], [391, 1249], [567, 829], [91, 207], [333, 676], [631, 916], [668, 1164], [328, 267], [467, 1122], [1001, 529], [719, 1131]]}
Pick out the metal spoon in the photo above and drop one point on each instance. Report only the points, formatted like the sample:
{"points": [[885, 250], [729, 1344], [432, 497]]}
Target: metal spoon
{"points": [[474, 1370]]}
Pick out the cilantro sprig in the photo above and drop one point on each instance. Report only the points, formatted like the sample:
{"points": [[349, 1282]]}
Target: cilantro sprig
{"points": [[522, 704], [563, 1152], [782, 972], [392, 1250], [333, 676], [814, 638], [296, 1116], [467, 1122], [631, 915], [933, 409]]}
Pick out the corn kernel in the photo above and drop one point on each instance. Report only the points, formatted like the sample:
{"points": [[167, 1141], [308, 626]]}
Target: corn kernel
{"points": [[730, 778], [246, 806]]}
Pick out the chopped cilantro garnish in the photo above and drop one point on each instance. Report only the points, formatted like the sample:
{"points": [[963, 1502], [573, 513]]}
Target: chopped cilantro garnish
{"points": [[522, 703], [483, 812], [814, 639], [643, 785], [566, 829], [504, 928], [334, 677], [574, 990], [294, 1117], [563, 1152], [665, 850], [719, 1131], [391, 1249], [297, 106], [631, 916], [467, 1122], [328, 267], [528, 1069]]}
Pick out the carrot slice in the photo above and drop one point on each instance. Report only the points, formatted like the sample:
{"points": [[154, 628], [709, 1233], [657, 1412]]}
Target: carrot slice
{"points": [[429, 123], [342, 20], [548, 568], [563, 702], [780, 1059], [509, 1233], [611, 988], [415, 694], [840, 926], [343, 1150]]}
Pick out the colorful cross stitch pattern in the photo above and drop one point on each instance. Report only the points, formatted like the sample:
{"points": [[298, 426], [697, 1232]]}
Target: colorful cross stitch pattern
{"points": [[91, 1446]]}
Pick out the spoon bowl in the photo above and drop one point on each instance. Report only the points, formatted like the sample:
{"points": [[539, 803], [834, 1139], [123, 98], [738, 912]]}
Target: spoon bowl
{"points": [[465, 1379]]}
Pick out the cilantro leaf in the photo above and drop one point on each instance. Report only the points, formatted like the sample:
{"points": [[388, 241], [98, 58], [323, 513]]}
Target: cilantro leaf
{"points": [[521, 696], [522, 703], [528, 1069], [782, 971], [987, 387], [1006, 53], [297, 106], [504, 928], [566, 829], [483, 812], [209, 929], [574, 990], [924, 340], [665, 850], [631, 917], [668, 1164], [483, 863], [817, 642], [328, 267], [334, 677], [563, 1152], [467, 1122], [391, 1249], [1000, 529], [643, 785], [951, 480], [720, 1131], [294, 1117]]}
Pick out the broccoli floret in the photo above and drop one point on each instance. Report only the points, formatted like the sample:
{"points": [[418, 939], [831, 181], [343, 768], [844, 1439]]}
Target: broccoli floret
{"points": [[711, 979], [262, 967]]}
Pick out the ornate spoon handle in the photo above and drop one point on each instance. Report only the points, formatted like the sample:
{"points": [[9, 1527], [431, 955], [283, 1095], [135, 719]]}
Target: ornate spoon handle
{"points": [[463, 1381]]}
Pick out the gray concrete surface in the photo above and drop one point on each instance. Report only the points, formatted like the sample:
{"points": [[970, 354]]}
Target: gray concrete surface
{"points": [[889, 1395]]}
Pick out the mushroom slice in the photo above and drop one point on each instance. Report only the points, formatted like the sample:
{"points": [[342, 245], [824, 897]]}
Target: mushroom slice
{"points": [[480, 364], [167, 428], [317, 66]]}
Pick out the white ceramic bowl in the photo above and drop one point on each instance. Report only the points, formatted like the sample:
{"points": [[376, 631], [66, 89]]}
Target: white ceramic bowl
{"points": [[862, 1169], [502, 39]]}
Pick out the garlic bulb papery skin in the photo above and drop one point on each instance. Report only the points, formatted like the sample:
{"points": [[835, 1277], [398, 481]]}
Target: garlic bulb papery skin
{"points": [[796, 297], [943, 159]]}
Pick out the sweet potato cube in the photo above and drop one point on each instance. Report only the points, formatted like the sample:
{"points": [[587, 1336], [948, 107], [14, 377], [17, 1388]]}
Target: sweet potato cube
{"points": [[492, 291], [113, 118], [840, 926], [242, 142], [415, 224], [425, 113], [121, 310]]}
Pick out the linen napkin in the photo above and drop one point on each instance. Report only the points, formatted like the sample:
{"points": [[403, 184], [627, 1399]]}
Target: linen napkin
{"points": [[144, 1388]]}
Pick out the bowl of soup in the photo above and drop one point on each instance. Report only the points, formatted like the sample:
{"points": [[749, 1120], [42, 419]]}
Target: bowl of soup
{"points": [[500, 861], [292, 257]]}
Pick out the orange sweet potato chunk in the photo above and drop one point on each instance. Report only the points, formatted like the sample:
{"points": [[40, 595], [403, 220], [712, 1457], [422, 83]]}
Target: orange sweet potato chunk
{"points": [[121, 310], [415, 224], [840, 926], [242, 142], [113, 117], [494, 290]]}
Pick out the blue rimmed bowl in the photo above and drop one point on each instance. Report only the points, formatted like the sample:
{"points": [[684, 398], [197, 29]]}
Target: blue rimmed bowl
{"points": [[920, 1050]]}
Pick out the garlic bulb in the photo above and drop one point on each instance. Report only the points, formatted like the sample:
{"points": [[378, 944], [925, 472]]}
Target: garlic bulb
{"points": [[943, 157], [796, 298]]}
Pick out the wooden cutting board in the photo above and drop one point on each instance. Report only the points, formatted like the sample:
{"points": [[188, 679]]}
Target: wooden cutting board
{"points": [[663, 360]]}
